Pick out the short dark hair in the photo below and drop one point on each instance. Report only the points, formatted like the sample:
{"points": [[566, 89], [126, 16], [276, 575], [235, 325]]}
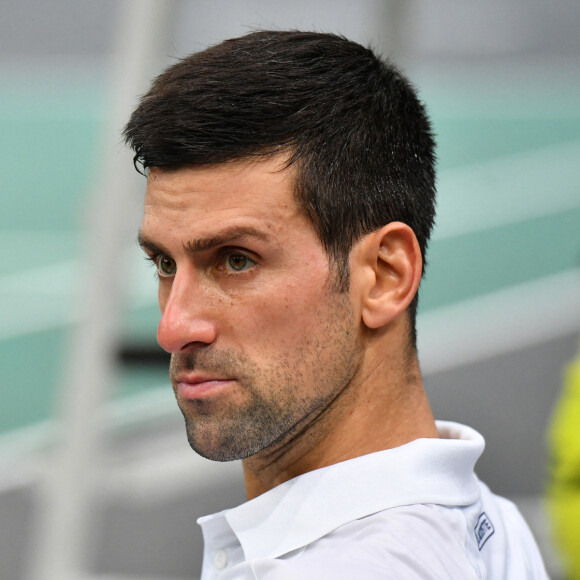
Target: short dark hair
{"points": [[351, 123]]}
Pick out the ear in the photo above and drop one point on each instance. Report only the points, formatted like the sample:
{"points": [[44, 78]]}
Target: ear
{"points": [[389, 272]]}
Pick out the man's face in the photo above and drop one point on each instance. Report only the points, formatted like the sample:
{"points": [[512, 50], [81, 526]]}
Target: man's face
{"points": [[262, 343]]}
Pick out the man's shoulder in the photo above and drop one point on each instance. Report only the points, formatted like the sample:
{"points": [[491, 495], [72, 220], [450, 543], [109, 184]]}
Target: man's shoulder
{"points": [[420, 542], [415, 541]]}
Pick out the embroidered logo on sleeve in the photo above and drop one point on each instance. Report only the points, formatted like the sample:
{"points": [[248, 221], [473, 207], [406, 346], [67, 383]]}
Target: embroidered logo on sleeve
{"points": [[483, 530]]}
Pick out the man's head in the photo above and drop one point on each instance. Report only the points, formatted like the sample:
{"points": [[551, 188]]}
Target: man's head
{"points": [[289, 201], [352, 128]]}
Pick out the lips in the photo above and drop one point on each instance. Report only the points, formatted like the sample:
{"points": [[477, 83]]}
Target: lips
{"points": [[198, 386]]}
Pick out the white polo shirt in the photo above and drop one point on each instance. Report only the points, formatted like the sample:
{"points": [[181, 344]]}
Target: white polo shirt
{"points": [[414, 512]]}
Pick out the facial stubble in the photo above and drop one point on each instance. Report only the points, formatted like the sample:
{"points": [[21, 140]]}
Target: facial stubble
{"points": [[269, 404]]}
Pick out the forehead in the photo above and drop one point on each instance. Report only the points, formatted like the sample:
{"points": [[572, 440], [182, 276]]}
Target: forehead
{"points": [[262, 188]]}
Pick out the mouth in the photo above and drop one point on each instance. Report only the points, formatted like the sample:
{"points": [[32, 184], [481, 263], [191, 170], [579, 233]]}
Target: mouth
{"points": [[198, 386]]}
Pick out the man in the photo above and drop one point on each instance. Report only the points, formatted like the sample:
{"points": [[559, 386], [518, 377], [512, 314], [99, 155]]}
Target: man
{"points": [[289, 202]]}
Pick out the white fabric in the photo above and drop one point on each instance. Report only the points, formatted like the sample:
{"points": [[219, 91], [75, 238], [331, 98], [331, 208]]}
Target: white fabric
{"points": [[414, 512]]}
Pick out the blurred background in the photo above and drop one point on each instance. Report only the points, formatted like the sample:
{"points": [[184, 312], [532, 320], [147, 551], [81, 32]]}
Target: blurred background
{"points": [[500, 308]]}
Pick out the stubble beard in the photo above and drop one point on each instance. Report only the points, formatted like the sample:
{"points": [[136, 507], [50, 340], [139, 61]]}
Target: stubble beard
{"points": [[220, 429], [270, 405]]}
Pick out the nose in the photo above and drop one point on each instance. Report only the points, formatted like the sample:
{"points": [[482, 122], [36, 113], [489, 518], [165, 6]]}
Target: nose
{"points": [[186, 319]]}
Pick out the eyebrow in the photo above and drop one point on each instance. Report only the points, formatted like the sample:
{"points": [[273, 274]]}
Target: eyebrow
{"points": [[149, 245], [198, 245], [225, 237]]}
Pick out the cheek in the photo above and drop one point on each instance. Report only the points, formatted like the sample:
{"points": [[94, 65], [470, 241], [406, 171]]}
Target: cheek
{"points": [[285, 317]]}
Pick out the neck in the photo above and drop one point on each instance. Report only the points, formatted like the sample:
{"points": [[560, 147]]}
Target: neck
{"points": [[385, 406]]}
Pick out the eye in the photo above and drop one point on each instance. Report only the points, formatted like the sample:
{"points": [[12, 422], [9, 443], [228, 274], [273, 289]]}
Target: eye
{"points": [[238, 262], [166, 266]]}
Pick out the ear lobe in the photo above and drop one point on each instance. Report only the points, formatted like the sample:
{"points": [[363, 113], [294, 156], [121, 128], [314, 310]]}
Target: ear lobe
{"points": [[394, 257]]}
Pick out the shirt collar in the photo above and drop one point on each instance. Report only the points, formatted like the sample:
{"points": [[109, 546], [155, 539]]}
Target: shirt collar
{"points": [[304, 509]]}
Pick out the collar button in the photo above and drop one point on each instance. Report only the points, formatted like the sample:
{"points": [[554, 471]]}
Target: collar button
{"points": [[220, 559]]}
